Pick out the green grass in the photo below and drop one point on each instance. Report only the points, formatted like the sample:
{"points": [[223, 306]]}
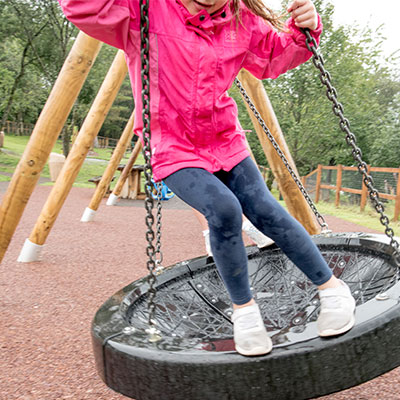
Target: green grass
{"points": [[8, 162], [4, 178], [368, 218], [14, 147]]}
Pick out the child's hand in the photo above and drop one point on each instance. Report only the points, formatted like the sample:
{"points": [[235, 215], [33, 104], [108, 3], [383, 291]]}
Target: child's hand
{"points": [[304, 14]]}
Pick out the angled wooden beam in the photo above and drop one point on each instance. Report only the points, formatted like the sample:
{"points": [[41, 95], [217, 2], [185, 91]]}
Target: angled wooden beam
{"points": [[112, 200], [44, 136], [112, 166], [296, 203], [75, 159]]}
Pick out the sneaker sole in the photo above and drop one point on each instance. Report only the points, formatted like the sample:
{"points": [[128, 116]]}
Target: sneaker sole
{"points": [[258, 351], [266, 244], [335, 332]]}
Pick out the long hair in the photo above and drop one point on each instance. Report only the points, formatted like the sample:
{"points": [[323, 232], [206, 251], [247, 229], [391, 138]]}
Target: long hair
{"points": [[259, 8]]}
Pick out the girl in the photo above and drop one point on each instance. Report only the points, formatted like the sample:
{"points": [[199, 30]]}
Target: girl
{"points": [[197, 47]]}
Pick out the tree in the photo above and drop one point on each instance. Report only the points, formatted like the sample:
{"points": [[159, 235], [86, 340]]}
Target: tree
{"points": [[385, 149], [30, 29], [366, 87]]}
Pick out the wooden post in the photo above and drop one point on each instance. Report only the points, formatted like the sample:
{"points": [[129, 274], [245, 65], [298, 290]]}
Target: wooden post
{"points": [[45, 134], [318, 183], [124, 174], [397, 202], [339, 169], [295, 201], [77, 155], [112, 165], [364, 191]]}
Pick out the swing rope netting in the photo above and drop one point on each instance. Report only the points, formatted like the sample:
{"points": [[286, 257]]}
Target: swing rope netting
{"points": [[154, 253]]}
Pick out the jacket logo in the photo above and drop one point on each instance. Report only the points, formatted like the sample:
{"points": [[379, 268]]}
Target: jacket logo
{"points": [[230, 36]]}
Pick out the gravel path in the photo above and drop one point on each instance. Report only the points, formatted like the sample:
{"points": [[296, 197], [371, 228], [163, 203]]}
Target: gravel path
{"points": [[47, 306]]}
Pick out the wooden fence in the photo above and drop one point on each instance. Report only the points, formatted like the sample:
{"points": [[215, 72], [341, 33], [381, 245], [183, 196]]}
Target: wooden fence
{"points": [[17, 128], [105, 142], [341, 180]]}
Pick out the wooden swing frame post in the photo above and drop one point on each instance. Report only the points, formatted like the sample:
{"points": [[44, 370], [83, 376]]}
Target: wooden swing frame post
{"points": [[116, 157], [44, 136], [296, 203], [89, 130], [126, 171]]}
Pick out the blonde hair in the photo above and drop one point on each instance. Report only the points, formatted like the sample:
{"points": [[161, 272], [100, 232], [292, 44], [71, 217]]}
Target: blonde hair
{"points": [[258, 7]]}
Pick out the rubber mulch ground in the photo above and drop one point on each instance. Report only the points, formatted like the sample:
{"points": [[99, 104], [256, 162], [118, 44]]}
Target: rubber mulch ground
{"points": [[47, 306]]}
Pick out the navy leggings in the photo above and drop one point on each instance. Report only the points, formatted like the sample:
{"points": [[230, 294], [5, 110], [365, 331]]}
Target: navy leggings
{"points": [[222, 198]]}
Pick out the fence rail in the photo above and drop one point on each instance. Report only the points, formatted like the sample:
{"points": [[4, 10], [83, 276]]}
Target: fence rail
{"points": [[17, 128], [105, 142], [346, 183]]}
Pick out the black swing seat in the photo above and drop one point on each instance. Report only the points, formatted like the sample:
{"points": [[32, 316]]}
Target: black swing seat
{"points": [[195, 358]]}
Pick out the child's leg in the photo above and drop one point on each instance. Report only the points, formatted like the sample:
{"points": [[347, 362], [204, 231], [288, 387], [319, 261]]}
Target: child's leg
{"points": [[207, 194], [337, 304], [268, 216]]}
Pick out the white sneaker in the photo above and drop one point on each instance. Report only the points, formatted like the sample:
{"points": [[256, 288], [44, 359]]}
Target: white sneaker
{"points": [[255, 235], [206, 235], [337, 311], [250, 336]]}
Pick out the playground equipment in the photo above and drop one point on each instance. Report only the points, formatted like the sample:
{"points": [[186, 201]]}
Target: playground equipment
{"points": [[113, 198], [105, 181], [196, 359], [161, 191], [89, 130]]}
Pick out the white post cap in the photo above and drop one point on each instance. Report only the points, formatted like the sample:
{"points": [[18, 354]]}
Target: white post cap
{"points": [[30, 252]]}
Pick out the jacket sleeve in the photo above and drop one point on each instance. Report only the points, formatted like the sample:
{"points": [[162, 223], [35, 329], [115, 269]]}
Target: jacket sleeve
{"points": [[272, 53], [105, 20]]}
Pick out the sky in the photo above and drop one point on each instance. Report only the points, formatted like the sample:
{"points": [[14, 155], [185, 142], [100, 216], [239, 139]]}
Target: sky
{"points": [[367, 12]]}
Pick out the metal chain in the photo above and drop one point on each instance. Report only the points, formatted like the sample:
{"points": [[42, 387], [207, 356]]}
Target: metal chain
{"points": [[159, 255], [151, 251], [344, 124], [285, 161]]}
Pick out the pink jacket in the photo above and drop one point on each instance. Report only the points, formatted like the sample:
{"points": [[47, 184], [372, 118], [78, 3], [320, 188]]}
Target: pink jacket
{"points": [[193, 62]]}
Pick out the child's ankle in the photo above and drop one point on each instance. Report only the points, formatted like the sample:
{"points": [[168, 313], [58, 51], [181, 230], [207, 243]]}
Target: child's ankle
{"points": [[237, 306], [333, 282]]}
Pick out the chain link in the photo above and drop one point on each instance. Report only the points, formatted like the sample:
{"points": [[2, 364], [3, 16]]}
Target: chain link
{"points": [[344, 124], [149, 204], [285, 161], [159, 254]]}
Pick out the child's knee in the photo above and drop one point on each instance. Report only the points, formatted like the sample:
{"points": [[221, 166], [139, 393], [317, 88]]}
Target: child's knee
{"points": [[227, 216]]}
